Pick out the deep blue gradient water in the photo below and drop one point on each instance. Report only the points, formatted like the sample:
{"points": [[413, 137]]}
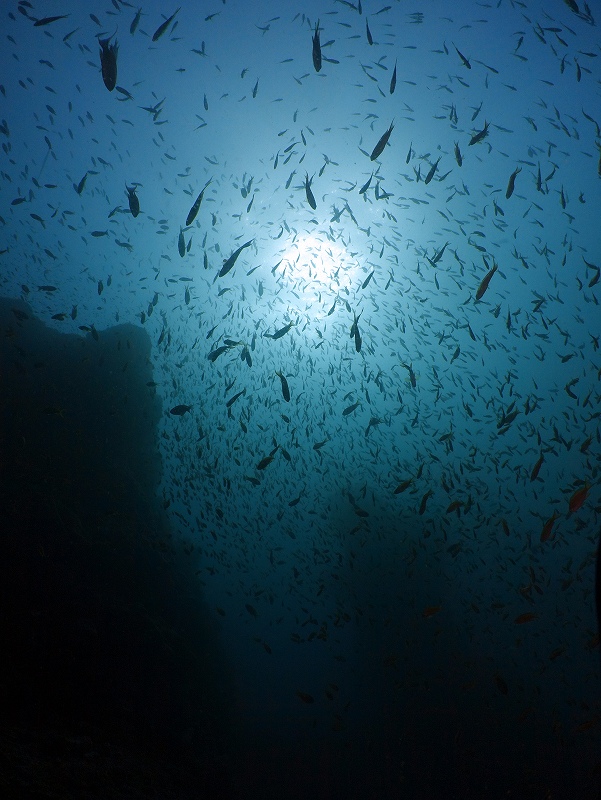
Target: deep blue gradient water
{"points": [[380, 422]]}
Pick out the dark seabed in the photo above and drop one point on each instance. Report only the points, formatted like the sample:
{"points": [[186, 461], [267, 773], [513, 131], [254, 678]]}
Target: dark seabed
{"points": [[300, 383]]}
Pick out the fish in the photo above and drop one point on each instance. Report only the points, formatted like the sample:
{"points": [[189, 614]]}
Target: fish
{"points": [[480, 135], [135, 21], [485, 281], [403, 486], [362, 190], [511, 184], [355, 332], [458, 156], [439, 254], [163, 26], [424, 501], [366, 282], [578, 498], [548, 527], [279, 333], [349, 409], [265, 462], [48, 20], [433, 168], [108, 62], [179, 411], [316, 48], [370, 40], [228, 264], [383, 141], [132, 198], [528, 616], [309, 193], [181, 244], [393, 80], [412, 378], [466, 63], [536, 468], [285, 388], [235, 397], [80, 186], [214, 354], [289, 181]]}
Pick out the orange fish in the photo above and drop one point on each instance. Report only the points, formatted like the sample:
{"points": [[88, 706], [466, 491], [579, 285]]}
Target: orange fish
{"points": [[429, 611], [527, 617], [536, 468], [548, 527], [578, 498]]}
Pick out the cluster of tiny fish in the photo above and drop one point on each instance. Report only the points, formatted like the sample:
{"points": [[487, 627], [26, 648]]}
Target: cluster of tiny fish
{"points": [[364, 242]]}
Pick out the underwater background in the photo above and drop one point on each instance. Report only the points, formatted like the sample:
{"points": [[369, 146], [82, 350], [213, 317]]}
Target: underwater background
{"points": [[300, 399]]}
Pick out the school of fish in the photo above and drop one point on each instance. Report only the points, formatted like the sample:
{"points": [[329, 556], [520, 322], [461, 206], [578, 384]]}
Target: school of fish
{"points": [[369, 266]]}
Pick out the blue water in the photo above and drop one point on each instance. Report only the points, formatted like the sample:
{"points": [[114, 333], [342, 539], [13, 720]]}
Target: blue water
{"points": [[376, 638]]}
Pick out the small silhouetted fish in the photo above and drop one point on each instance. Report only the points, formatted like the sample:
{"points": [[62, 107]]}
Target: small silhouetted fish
{"points": [[316, 48], [179, 411], [80, 186], [285, 388], [47, 20], [309, 193], [135, 21], [194, 210], [379, 148], [229, 263], [163, 27], [134, 203]]}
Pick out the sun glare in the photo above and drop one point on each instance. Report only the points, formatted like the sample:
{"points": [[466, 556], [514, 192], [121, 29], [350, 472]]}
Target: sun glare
{"points": [[320, 267]]}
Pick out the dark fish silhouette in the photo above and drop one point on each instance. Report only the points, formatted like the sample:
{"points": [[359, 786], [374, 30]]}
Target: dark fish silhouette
{"points": [[316, 49], [163, 27], [379, 148], [108, 62]]}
